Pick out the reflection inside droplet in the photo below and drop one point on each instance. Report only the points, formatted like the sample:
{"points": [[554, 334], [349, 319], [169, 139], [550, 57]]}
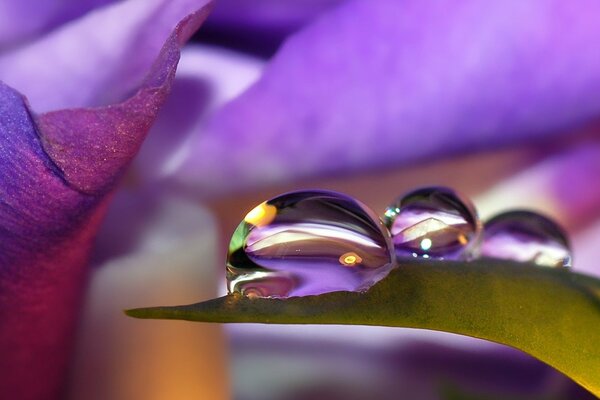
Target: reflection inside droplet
{"points": [[426, 244], [433, 222], [350, 259], [306, 243], [261, 215]]}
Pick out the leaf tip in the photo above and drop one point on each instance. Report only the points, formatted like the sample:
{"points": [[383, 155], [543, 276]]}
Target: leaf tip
{"points": [[140, 313]]}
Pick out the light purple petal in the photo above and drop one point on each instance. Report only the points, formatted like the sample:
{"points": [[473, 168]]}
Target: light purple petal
{"points": [[586, 249], [207, 77], [96, 60], [561, 185], [24, 19], [383, 83], [56, 174]]}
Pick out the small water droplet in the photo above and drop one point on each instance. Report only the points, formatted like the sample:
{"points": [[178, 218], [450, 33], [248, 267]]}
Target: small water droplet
{"points": [[527, 237], [307, 243], [433, 222]]}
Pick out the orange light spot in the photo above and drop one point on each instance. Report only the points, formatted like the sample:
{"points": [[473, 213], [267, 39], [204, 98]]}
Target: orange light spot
{"points": [[261, 215], [350, 259], [462, 239]]}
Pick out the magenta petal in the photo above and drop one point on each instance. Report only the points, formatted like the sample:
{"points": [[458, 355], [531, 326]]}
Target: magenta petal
{"points": [[92, 146], [382, 83], [56, 171]]}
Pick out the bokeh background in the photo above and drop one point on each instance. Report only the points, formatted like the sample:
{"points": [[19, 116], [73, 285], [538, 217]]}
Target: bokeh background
{"points": [[500, 101]]}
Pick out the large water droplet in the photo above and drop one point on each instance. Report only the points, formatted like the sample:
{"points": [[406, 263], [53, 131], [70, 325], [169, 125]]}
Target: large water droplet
{"points": [[527, 237], [306, 243], [433, 222]]}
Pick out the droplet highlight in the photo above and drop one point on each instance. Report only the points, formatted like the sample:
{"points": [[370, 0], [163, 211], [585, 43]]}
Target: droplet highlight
{"points": [[433, 222], [526, 236], [307, 243]]}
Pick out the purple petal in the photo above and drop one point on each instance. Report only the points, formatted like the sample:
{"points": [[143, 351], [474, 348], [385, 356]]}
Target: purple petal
{"points": [[206, 78], [563, 187], [52, 201], [383, 83], [260, 26], [96, 60], [586, 250], [574, 184], [267, 14], [21, 20], [559, 185]]}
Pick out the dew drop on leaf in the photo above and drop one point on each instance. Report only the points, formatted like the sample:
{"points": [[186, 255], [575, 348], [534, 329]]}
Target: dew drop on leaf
{"points": [[307, 243], [433, 222], [527, 237]]}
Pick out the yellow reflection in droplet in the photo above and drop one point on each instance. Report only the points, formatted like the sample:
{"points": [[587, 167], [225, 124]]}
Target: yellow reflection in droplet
{"points": [[261, 215], [350, 259]]}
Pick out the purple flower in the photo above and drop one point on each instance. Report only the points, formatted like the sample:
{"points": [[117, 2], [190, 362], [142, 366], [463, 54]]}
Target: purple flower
{"points": [[372, 85], [357, 87], [59, 168]]}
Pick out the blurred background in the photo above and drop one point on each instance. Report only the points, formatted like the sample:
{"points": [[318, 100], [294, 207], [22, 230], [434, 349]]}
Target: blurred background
{"points": [[180, 259], [369, 98]]}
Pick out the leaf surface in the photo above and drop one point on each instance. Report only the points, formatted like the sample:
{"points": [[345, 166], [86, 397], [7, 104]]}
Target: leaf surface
{"points": [[551, 314]]}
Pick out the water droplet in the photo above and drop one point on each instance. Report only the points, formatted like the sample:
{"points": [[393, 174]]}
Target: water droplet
{"points": [[433, 222], [307, 243], [527, 237]]}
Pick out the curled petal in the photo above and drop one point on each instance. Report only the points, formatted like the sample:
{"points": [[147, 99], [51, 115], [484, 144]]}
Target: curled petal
{"points": [[56, 172]]}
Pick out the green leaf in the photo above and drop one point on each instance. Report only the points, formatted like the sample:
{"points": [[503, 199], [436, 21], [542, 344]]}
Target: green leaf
{"points": [[552, 314]]}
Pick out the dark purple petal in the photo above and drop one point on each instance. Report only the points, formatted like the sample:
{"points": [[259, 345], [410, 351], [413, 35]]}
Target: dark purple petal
{"points": [[96, 60], [56, 172], [45, 236], [260, 26], [384, 83], [268, 14], [22, 20]]}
